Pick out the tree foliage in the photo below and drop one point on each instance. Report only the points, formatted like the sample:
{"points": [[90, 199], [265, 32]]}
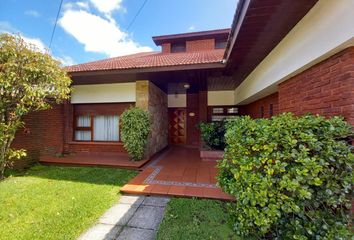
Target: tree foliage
{"points": [[29, 81], [291, 176], [135, 131]]}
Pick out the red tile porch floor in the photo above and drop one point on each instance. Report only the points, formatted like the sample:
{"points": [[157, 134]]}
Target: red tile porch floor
{"points": [[119, 160], [177, 171]]}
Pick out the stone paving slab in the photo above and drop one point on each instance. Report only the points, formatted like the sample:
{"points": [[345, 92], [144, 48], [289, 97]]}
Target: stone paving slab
{"points": [[101, 231], [133, 217], [130, 233], [147, 217], [156, 201], [119, 214], [131, 199]]}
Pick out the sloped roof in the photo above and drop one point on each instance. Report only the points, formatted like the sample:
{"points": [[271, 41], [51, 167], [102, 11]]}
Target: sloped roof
{"points": [[151, 59]]}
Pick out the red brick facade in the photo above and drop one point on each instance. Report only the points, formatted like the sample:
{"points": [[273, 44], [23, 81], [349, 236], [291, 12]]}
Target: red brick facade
{"points": [[200, 45], [326, 88], [166, 48], [42, 134], [192, 46], [267, 105]]}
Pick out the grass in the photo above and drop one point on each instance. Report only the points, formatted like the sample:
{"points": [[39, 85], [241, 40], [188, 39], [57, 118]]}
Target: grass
{"points": [[49, 202], [195, 219]]}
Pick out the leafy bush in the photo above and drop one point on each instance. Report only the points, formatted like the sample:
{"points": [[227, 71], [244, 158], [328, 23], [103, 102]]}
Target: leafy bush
{"points": [[213, 134], [135, 131], [29, 81], [291, 176]]}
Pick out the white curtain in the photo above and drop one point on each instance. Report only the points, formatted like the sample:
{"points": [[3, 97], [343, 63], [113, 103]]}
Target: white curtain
{"points": [[84, 121], [106, 128], [83, 135]]}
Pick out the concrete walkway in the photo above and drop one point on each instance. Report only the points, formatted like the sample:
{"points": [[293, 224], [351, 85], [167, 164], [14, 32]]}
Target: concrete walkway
{"points": [[132, 218]]}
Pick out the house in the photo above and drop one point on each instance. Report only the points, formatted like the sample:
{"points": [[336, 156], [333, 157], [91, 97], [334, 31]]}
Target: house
{"points": [[278, 56]]}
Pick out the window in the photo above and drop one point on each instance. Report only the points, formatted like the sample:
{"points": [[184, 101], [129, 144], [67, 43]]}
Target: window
{"points": [[218, 110], [271, 110], [232, 110], [178, 47], [83, 128], [97, 128], [220, 43], [262, 112], [222, 112]]}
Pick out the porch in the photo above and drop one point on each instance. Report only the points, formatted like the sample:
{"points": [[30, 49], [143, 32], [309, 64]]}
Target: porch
{"points": [[177, 171], [100, 159]]}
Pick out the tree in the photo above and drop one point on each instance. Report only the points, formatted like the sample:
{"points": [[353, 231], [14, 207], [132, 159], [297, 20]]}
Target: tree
{"points": [[29, 81]]}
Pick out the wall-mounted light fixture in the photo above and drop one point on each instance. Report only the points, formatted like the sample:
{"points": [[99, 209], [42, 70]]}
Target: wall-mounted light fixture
{"points": [[186, 86]]}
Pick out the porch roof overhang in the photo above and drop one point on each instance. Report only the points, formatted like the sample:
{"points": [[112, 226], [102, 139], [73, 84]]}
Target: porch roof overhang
{"points": [[258, 26], [170, 79]]}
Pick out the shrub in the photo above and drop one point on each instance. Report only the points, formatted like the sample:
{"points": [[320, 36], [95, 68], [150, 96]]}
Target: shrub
{"points": [[135, 131], [291, 176], [29, 81], [213, 134]]}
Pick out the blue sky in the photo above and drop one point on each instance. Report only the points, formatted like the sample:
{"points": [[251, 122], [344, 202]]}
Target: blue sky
{"points": [[89, 30]]}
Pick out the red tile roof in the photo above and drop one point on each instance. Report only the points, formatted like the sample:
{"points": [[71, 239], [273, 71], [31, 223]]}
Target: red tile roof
{"points": [[150, 60]]}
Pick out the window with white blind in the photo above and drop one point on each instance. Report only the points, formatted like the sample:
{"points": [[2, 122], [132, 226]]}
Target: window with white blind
{"points": [[97, 128]]}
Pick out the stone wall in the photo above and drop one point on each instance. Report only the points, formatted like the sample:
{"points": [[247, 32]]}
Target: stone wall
{"points": [[151, 98]]}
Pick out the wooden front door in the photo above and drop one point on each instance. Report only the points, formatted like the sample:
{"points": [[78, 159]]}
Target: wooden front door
{"points": [[177, 126]]}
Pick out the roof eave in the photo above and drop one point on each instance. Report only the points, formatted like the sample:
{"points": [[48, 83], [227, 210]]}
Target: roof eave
{"points": [[240, 14], [215, 65]]}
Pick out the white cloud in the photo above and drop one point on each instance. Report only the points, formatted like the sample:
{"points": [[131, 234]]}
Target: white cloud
{"points": [[191, 28], [66, 60], [6, 27], [98, 34], [107, 6], [32, 13], [36, 42], [83, 5]]}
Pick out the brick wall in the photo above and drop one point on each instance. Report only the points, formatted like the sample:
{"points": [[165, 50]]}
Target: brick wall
{"points": [[200, 45], [192, 46], [96, 147], [166, 47], [254, 109], [41, 135], [326, 88]]}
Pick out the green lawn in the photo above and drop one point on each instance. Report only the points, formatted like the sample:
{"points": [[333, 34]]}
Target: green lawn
{"points": [[49, 202], [195, 219]]}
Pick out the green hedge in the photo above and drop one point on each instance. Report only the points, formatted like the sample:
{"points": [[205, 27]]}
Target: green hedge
{"points": [[213, 134], [291, 176], [135, 131]]}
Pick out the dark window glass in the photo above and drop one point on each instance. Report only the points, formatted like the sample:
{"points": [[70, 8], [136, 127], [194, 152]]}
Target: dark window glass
{"points": [[220, 43], [271, 110], [178, 47], [262, 111]]}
